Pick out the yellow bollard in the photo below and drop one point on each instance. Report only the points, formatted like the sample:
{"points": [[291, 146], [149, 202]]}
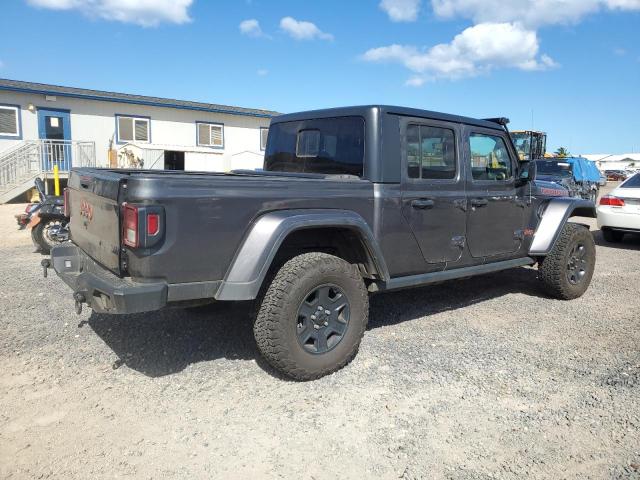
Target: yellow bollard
{"points": [[56, 180]]}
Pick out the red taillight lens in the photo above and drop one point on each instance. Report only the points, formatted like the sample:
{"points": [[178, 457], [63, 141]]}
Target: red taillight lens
{"points": [[153, 224], [130, 225], [612, 201], [67, 207]]}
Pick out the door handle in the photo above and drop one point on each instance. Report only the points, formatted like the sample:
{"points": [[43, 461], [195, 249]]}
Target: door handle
{"points": [[422, 204], [479, 202]]}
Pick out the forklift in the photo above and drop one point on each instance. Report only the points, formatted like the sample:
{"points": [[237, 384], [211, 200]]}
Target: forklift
{"points": [[530, 145]]}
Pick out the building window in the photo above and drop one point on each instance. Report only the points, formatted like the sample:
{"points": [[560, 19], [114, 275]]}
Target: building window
{"points": [[133, 129], [210, 134], [264, 133], [10, 121]]}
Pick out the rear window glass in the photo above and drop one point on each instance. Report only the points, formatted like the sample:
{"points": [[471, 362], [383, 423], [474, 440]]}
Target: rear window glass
{"points": [[331, 146], [633, 182]]}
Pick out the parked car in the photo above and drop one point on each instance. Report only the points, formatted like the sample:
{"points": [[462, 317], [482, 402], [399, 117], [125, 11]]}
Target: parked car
{"points": [[616, 175], [603, 180], [578, 175], [619, 212], [350, 201]]}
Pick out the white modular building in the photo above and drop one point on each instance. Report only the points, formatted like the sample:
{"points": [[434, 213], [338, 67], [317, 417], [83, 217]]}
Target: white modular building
{"points": [[42, 126]]}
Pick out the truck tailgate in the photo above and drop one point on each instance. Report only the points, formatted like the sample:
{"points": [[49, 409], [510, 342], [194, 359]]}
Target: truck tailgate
{"points": [[95, 215]]}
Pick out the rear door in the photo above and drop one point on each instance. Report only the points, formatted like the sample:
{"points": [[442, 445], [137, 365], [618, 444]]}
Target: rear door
{"points": [[433, 196], [495, 218], [95, 215]]}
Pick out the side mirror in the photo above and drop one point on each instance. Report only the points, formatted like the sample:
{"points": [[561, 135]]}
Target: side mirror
{"points": [[527, 172]]}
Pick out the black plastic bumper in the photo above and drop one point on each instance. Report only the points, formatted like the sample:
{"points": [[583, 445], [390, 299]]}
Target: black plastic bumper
{"points": [[101, 289]]}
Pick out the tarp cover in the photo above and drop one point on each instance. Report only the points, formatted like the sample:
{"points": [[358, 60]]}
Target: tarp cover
{"points": [[583, 170]]}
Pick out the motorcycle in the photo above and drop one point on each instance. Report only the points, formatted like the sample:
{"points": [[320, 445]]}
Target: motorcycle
{"points": [[49, 224]]}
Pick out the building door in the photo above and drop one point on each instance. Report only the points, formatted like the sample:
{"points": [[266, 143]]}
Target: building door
{"points": [[173, 160], [54, 127]]}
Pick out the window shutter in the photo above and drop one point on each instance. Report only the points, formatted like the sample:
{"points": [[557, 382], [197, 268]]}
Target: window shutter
{"points": [[8, 121], [125, 129], [142, 130], [203, 134], [264, 134], [216, 135]]}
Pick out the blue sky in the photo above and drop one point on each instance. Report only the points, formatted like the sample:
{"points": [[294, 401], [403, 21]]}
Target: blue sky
{"points": [[569, 67]]}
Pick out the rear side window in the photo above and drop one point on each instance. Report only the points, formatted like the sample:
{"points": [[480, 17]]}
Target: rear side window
{"points": [[633, 182], [489, 157], [430, 152], [330, 146]]}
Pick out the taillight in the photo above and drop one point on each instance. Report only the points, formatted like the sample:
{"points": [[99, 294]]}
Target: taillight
{"points": [[153, 224], [130, 226], [67, 207], [612, 201], [142, 225]]}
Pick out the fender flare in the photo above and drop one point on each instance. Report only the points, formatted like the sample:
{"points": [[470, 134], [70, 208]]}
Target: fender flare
{"points": [[259, 247], [556, 214]]}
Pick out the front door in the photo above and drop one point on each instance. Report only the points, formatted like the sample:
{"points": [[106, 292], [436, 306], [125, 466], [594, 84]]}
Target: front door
{"points": [[54, 127], [433, 196], [496, 215]]}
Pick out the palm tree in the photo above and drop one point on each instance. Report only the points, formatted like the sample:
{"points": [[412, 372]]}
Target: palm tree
{"points": [[562, 152]]}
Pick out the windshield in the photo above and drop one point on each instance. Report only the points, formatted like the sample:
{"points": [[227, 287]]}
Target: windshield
{"points": [[633, 182], [553, 168], [330, 146]]}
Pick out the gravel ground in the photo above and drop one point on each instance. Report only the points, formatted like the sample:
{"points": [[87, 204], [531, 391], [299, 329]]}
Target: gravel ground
{"points": [[474, 379]]}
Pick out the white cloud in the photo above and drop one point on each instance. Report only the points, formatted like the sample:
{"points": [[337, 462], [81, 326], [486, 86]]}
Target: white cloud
{"points": [[476, 50], [262, 72], [147, 13], [301, 30], [532, 13], [251, 28], [401, 10]]}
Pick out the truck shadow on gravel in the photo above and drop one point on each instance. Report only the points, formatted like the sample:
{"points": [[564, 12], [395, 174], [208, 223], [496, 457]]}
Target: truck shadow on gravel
{"points": [[166, 342]]}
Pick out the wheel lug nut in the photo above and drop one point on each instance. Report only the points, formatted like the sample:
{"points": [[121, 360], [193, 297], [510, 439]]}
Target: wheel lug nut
{"points": [[327, 312], [320, 307], [313, 317], [326, 323]]}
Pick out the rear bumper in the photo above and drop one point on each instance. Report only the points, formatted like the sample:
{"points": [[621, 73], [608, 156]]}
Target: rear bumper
{"points": [[616, 218], [102, 290]]}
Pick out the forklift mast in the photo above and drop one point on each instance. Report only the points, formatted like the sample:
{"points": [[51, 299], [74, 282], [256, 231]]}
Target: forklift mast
{"points": [[530, 145]]}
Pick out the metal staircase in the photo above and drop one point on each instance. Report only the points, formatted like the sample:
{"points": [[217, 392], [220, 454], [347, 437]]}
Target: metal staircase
{"points": [[22, 163]]}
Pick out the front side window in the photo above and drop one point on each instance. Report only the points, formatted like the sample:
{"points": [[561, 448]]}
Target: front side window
{"points": [[330, 146], [211, 135], [489, 157], [9, 123], [133, 129], [430, 153]]}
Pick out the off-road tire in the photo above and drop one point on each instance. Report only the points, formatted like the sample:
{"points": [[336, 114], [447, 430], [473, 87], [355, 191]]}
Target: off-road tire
{"points": [[277, 318], [39, 235], [612, 236], [553, 268]]}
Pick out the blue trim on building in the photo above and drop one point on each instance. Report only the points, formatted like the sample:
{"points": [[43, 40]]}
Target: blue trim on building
{"points": [[128, 115], [19, 123], [198, 144], [134, 102]]}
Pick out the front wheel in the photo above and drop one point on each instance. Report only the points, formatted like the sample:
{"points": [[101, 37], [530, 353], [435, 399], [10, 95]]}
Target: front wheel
{"points": [[566, 272], [312, 316]]}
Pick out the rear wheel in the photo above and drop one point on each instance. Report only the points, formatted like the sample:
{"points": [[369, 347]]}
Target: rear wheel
{"points": [[612, 236], [45, 234], [312, 316], [566, 272]]}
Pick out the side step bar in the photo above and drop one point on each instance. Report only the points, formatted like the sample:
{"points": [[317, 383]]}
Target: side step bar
{"points": [[436, 277]]}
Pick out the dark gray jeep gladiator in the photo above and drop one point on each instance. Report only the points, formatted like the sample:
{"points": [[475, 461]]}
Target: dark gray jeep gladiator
{"points": [[350, 201]]}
